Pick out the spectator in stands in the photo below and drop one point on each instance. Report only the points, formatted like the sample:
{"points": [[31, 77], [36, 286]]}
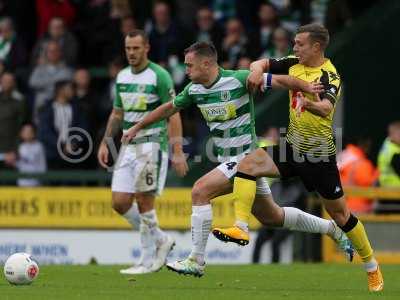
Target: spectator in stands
{"points": [[31, 156], [12, 114], [244, 63], [59, 33], [12, 50], [50, 69], [224, 10], [54, 123], [86, 97], [281, 45], [234, 45], [207, 29], [389, 167], [48, 9], [88, 103], [268, 22], [357, 170], [165, 36]]}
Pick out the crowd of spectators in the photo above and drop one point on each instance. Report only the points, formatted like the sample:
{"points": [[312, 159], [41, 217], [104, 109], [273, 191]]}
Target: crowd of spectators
{"points": [[59, 58]]}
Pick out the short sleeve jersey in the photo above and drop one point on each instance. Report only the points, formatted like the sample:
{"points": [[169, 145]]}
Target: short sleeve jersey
{"points": [[228, 110], [309, 133], [137, 94]]}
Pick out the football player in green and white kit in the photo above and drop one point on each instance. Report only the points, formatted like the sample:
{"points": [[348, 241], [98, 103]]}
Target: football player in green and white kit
{"points": [[140, 171], [227, 106]]}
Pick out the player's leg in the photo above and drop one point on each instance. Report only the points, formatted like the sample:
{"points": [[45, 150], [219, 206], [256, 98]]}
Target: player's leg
{"points": [[270, 214], [257, 164], [210, 186], [326, 179], [122, 190], [149, 179], [124, 205], [355, 231]]}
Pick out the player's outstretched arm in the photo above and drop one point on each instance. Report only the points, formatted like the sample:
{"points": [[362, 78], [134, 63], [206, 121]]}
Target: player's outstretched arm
{"points": [[292, 83], [175, 139], [113, 126], [255, 79], [162, 112]]}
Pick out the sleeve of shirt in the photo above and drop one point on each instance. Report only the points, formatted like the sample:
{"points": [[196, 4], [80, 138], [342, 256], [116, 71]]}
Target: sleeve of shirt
{"points": [[331, 82], [396, 163], [242, 75], [282, 65], [165, 87], [117, 100], [183, 99]]}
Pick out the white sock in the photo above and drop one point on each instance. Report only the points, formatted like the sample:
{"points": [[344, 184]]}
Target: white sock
{"points": [[150, 218], [147, 245], [133, 216], [201, 226], [242, 225], [371, 266], [298, 220]]}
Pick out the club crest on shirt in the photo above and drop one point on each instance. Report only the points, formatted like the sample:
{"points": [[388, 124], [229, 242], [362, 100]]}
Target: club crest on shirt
{"points": [[141, 88], [225, 95]]}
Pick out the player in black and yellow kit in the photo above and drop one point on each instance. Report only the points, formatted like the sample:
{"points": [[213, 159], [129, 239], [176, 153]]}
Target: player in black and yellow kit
{"points": [[309, 149]]}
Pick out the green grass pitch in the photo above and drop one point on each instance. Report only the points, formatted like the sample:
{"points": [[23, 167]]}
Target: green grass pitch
{"points": [[297, 281]]}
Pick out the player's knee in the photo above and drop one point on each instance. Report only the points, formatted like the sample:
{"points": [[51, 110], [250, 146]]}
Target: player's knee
{"points": [[200, 196], [340, 216], [120, 207], [250, 165]]}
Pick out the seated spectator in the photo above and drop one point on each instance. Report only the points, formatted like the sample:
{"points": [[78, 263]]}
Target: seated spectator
{"points": [[357, 170], [281, 45], [12, 115], [31, 156], [55, 121], [207, 29], [51, 68], [48, 9], [67, 41], [244, 63], [234, 45], [165, 36], [389, 167], [224, 10], [268, 22], [12, 50]]}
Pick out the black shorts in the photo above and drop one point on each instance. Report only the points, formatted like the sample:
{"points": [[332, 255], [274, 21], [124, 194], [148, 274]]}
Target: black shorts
{"points": [[317, 173]]}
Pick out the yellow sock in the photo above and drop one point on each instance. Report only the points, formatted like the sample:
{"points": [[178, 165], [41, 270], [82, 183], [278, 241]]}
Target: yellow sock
{"points": [[244, 190], [360, 241]]}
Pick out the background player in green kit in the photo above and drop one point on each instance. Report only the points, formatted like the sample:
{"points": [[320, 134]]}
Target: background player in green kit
{"points": [[226, 105], [141, 168]]}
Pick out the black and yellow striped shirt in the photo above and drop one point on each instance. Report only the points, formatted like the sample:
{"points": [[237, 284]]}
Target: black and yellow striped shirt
{"points": [[309, 133]]}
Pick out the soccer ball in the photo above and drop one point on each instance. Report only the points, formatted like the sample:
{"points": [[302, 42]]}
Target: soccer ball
{"points": [[20, 269]]}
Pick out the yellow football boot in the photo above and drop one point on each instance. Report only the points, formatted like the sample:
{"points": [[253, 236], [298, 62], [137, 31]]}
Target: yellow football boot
{"points": [[375, 280], [232, 234]]}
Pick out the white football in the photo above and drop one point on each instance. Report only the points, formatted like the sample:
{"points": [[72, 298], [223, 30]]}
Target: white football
{"points": [[20, 269]]}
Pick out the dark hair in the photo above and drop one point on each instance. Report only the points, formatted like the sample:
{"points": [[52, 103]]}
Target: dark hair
{"points": [[138, 32], [205, 49], [318, 33], [59, 85]]}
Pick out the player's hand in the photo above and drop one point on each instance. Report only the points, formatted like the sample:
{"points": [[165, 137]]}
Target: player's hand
{"points": [[102, 155], [129, 135], [255, 81], [315, 88], [179, 163], [300, 103]]}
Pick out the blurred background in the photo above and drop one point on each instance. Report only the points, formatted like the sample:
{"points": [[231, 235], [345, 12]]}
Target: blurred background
{"points": [[67, 53]]}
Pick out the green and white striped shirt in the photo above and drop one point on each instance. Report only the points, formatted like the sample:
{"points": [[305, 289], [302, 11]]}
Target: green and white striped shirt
{"points": [[228, 110], [140, 93]]}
